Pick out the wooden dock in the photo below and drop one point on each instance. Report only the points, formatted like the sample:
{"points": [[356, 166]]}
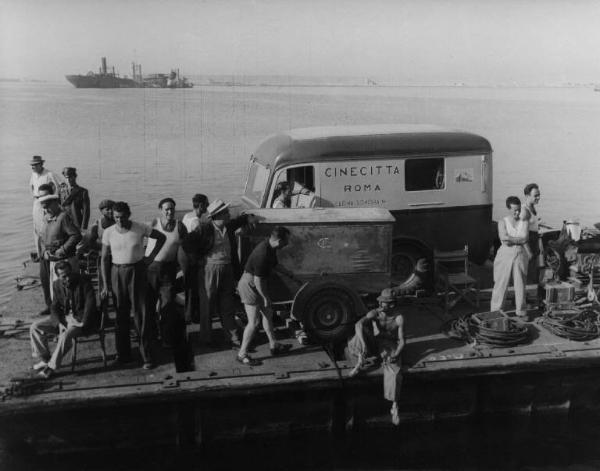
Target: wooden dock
{"points": [[304, 391]]}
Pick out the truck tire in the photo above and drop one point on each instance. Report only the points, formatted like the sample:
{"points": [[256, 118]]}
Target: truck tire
{"points": [[410, 267], [328, 310]]}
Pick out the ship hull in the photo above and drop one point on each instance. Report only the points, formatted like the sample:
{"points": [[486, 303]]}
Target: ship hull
{"points": [[101, 81]]}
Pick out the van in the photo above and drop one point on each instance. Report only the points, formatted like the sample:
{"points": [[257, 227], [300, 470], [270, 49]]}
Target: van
{"points": [[436, 182]]}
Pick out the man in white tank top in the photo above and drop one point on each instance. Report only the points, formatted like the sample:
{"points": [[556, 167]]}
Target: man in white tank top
{"points": [[161, 284], [512, 258]]}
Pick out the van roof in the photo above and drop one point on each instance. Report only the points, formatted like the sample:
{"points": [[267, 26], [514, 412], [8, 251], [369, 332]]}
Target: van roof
{"points": [[306, 145]]}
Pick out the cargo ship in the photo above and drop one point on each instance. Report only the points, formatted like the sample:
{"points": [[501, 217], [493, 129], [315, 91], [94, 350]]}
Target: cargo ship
{"points": [[103, 79], [106, 78]]}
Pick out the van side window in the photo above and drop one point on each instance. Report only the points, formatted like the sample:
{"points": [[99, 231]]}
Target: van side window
{"points": [[424, 174]]}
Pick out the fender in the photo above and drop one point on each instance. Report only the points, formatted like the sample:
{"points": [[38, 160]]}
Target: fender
{"points": [[308, 289]]}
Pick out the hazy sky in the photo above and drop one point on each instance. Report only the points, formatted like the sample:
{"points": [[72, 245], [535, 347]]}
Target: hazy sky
{"points": [[416, 41]]}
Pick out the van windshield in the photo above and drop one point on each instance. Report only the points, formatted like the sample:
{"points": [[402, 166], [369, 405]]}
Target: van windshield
{"points": [[257, 181]]}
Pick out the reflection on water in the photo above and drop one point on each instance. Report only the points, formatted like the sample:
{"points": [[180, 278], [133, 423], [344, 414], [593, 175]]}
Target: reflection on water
{"points": [[140, 145], [503, 443]]}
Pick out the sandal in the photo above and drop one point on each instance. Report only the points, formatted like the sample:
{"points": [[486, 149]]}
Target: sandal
{"points": [[280, 348], [395, 415], [247, 360]]}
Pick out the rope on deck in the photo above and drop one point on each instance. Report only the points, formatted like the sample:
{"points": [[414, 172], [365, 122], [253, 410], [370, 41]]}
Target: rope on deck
{"points": [[573, 324], [467, 329]]}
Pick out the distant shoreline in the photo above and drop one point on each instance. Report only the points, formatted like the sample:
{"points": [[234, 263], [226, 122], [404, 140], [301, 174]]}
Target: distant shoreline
{"points": [[204, 82]]}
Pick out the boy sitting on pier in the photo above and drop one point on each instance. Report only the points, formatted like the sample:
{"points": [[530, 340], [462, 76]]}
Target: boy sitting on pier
{"points": [[381, 333]]}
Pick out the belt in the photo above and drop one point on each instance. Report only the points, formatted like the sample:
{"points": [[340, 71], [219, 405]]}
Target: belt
{"points": [[127, 264]]}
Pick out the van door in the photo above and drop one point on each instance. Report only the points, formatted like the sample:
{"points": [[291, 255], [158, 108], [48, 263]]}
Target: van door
{"points": [[302, 181]]}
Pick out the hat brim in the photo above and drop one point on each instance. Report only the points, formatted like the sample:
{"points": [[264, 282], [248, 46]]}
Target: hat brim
{"points": [[382, 299], [36, 162], [220, 209], [44, 199]]}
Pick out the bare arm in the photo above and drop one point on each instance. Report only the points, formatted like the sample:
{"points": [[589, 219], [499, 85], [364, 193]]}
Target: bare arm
{"points": [[359, 326], [160, 241], [105, 263], [505, 238], [261, 287], [400, 324]]}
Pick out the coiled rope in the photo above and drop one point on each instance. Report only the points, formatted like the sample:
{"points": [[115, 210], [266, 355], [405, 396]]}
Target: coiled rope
{"points": [[467, 329], [573, 324]]}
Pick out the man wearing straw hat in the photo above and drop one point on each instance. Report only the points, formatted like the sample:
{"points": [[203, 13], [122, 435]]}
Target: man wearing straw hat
{"points": [[58, 242], [215, 242], [39, 176]]}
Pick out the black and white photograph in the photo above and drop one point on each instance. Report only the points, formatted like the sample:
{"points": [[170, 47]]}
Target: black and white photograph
{"points": [[300, 235]]}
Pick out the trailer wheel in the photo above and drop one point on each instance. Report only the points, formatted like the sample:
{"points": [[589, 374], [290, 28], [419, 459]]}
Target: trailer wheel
{"points": [[329, 314], [409, 267]]}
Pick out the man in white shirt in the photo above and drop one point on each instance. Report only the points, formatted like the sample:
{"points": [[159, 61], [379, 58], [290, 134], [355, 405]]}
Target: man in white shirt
{"points": [[192, 267], [40, 176], [123, 256], [193, 219]]}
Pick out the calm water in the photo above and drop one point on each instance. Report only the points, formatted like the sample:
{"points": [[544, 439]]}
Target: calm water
{"points": [[140, 145]]}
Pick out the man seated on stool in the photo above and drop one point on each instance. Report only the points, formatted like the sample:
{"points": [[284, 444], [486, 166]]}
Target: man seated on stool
{"points": [[73, 313]]}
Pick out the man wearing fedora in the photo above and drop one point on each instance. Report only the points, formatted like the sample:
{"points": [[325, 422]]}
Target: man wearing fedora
{"points": [[75, 199], [214, 244], [39, 176], [58, 242]]}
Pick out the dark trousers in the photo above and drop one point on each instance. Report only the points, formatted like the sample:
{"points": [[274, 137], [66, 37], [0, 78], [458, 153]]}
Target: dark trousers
{"points": [[533, 270], [161, 293], [129, 287], [45, 281]]}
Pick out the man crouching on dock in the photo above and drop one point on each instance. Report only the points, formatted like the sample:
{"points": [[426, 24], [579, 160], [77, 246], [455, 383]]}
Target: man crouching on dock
{"points": [[387, 342]]}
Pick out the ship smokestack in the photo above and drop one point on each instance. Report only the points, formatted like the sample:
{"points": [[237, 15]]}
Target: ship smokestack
{"points": [[104, 65]]}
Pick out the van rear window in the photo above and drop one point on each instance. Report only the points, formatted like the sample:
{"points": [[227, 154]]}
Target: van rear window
{"points": [[424, 174]]}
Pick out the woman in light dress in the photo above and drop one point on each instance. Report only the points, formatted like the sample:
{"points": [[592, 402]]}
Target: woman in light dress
{"points": [[512, 257]]}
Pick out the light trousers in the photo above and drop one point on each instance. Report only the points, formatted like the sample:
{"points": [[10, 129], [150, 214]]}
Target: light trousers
{"points": [[39, 334], [510, 262]]}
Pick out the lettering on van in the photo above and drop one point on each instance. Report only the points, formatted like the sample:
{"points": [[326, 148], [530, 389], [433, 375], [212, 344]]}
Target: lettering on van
{"points": [[366, 187], [365, 171]]}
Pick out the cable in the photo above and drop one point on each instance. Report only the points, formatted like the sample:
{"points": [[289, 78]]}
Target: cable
{"points": [[574, 324], [467, 329]]}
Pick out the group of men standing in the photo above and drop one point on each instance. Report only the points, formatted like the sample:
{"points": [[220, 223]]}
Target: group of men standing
{"points": [[138, 267]]}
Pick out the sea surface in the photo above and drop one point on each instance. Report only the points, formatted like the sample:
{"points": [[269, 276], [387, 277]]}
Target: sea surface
{"points": [[140, 145]]}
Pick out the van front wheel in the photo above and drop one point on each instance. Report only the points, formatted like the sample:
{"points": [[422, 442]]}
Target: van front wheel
{"points": [[409, 267]]}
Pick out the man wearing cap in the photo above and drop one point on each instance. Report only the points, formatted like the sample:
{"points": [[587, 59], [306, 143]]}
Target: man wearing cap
{"points": [[193, 269], [123, 257], [59, 240], [215, 242], [94, 241], [162, 273], [385, 342], [39, 176], [74, 198]]}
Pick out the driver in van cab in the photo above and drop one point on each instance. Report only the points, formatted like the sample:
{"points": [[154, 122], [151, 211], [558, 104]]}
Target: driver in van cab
{"points": [[284, 193]]}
